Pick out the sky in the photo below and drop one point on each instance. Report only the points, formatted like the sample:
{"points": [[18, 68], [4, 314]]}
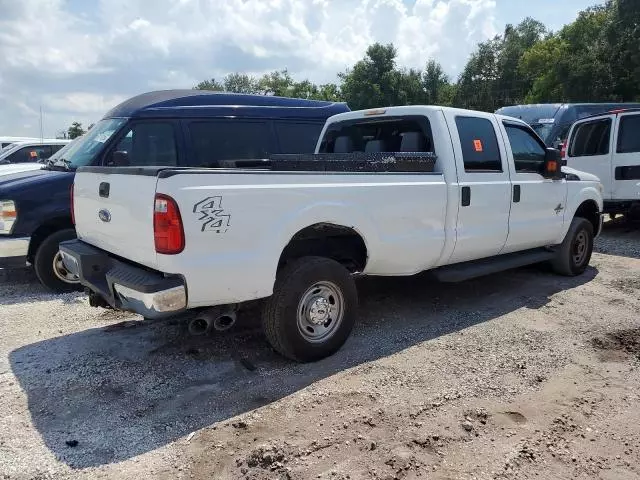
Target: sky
{"points": [[75, 59]]}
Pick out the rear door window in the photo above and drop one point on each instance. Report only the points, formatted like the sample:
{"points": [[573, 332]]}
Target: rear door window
{"points": [[297, 137], [591, 138], [629, 134], [480, 149], [213, 141], [150, 144]]}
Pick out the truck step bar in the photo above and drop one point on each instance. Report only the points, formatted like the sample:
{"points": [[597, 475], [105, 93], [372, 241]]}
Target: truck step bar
{"points": [[478, 268]]}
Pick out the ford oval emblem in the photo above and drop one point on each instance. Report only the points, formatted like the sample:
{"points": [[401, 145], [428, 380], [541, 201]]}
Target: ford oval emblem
{"points": [[104, 215]]}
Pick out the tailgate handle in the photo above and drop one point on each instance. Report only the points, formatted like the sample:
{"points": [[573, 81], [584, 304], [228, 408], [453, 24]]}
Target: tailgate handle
{"points": [[103, 190]]}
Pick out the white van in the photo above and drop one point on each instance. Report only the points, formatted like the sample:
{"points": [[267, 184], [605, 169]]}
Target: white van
{"points": [[608, 146]]}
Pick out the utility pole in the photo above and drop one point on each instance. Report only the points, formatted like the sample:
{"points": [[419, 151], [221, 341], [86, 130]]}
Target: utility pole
{"points": [[41, 126]]}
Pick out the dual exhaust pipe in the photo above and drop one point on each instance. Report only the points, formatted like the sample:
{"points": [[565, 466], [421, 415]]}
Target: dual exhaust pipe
{"points": [[213, 318]]}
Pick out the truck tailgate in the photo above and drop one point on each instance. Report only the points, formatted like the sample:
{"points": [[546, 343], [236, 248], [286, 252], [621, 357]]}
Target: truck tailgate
{"points": [[114, 212]]}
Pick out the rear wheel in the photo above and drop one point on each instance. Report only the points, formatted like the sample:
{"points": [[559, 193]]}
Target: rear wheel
{"points": [[574, 254], [48, 263], [312, 310]]}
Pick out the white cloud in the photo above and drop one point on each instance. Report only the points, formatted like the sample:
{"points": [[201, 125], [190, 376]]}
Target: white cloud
{"points": [[78, 65]]}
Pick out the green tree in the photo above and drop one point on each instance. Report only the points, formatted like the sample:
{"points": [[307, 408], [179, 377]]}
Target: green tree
{"points": [[623, 47], [476, 84], [512, 85], [573, 65], [436, 85], [370, 82], [375, 81], [75, 130], [278, 83], [330, 92], [212, 84], [241, 83]]}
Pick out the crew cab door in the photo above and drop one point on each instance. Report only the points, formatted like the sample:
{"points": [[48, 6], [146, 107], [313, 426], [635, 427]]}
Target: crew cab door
{"points": [[589, 149], [626, 158], [484, 184], [537, 203]]}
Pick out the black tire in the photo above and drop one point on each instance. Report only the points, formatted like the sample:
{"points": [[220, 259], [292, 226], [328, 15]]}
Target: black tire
{"points": [[299, 280], [574, 254], [43, 262]]}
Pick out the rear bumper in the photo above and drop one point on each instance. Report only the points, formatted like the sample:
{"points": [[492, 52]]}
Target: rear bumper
{"points": [[13, 252], [122, 285]]}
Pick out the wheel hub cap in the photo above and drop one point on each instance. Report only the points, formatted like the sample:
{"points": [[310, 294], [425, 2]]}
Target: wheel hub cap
{"points": [[320, 312], [61, 271], [580, 248]]}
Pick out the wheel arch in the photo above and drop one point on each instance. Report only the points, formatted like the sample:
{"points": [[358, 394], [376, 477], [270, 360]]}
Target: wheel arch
{"points": [[341, 243], [589, 210], [44, 230], [586, 201]]}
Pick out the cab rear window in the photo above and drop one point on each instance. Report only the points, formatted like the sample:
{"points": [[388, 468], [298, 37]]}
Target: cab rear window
{"points": [[384, 135]]}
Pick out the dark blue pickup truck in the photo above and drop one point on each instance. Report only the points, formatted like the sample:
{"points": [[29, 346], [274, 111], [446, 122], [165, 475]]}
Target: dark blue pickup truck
{"points": [[189, 128]]}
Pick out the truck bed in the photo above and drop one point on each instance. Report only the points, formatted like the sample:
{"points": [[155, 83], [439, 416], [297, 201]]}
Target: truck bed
{"points": [[237, 221]]}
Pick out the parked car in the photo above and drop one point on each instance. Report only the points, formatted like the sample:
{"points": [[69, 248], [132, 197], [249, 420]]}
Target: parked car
{"points": [[178, 128], [608, 146], [392, 191], [31, 152], [553, 121], [6, 141], [8, 169]]}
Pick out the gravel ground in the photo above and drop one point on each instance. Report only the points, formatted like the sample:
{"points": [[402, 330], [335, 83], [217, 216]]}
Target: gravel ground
{"points": [[519, 375]]}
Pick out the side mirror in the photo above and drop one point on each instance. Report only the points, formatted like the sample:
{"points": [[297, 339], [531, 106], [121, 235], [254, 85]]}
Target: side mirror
{"points": [[552, 164], [119, 159]]}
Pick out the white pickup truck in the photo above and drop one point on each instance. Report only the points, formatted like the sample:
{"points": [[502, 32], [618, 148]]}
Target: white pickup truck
{"points": [[392, 191]]}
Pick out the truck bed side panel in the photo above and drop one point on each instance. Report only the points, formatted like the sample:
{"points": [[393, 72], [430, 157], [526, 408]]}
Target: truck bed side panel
{"points": [[237, 224]]}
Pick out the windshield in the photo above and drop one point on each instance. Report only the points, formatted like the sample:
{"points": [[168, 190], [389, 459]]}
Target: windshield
{"points": [[543, 130], [531, 113], [9, 148], [82, 151], [62, 153]]}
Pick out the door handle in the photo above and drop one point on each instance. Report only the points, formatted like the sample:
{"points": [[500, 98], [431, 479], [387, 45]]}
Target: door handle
{"points": [[516, 193], [103, 189], [466, 196]]}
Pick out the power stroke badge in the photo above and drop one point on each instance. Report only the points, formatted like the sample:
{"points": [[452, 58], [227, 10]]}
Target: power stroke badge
{"points": [[212, 215]]}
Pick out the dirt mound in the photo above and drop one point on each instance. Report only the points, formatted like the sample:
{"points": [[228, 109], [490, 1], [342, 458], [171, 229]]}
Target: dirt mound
{"points": [[621, 340]]}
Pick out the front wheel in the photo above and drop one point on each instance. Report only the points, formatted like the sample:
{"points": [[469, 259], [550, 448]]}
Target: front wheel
{"points": [[48, 263], [574, 255], [312, 310]]}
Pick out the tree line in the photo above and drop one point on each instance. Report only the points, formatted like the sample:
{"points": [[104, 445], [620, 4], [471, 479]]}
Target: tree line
{"points": [[596, 58]]}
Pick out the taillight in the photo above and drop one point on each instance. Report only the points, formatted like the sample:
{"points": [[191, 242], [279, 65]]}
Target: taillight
{"points": [[168, 232], [563, 149], [73, 213]]}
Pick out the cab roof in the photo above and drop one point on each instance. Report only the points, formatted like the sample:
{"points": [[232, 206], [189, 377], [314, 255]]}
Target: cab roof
{"points": [[202, 103]]}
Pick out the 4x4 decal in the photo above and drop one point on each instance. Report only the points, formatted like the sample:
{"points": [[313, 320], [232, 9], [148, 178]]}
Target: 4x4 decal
{"points": [[211, 211]]}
